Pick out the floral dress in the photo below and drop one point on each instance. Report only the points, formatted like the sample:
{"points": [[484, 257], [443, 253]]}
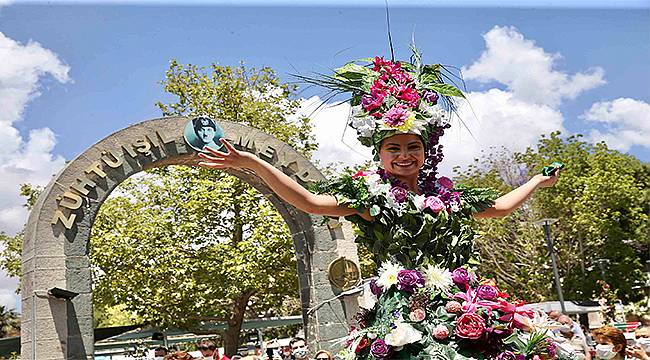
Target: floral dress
{"points": [[413, 230], [427, 302]]}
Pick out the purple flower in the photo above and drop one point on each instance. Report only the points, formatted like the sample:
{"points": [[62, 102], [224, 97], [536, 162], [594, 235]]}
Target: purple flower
{"points": [[445, 182], [434, 203], [380, 350], [509, 355], [486, 292], [431, 96], [461, 276], [399, 194], [396, 116], [374, 288], [409, 280]]}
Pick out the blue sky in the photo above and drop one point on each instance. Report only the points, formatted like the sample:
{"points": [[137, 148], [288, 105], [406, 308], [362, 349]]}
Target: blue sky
{"points": [[72, 74]]}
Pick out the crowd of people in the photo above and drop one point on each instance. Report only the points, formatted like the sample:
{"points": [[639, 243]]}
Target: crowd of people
{"points": [[295, 349], [603, 343]]}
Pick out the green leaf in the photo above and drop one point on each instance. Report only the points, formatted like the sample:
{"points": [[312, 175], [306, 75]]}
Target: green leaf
{"points": [[444, 89]]}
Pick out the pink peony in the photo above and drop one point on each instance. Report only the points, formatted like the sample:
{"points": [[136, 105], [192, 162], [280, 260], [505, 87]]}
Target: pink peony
{"points": [[396, 116], [470, 326], [440, 332], [417, 315], [434, 203], [453, 307]]}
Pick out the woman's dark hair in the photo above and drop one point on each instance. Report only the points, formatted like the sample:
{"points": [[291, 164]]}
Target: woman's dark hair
{"points": [[202, 121]]}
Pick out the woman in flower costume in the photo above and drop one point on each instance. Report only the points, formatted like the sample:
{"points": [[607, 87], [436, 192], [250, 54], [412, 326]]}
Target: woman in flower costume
{"points": [[426, 303]]}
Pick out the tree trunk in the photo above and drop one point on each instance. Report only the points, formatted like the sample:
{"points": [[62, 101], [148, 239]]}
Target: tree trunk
{"points": [[231, 336]]}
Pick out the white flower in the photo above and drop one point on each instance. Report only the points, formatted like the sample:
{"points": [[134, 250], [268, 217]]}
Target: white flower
{"points": [[540, 322], [375, 186], [393, 204], [365, 125], [418, 200], [368, 299], [388, 274], [435, 114], [437, 277], [402, 334]]}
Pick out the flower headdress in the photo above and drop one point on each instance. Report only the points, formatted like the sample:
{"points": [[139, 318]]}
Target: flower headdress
{"points": [[396, 97]]}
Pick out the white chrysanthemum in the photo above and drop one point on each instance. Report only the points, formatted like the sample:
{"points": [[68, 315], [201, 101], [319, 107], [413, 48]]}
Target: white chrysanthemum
{"points": [[388, 274], [403, 334], [437, 278]]}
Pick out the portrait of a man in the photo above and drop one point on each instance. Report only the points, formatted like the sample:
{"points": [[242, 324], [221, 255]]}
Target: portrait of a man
{"points": [[202, 132]]}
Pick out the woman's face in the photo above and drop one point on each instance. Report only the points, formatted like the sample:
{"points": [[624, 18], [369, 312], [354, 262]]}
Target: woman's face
{"points": [[601, 340], [206, 133], [402, 155]]}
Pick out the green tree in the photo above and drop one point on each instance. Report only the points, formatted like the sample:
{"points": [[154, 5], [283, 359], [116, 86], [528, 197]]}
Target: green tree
{"points": [[10, 255], [601, 201], [181, 245], [9, 322]]}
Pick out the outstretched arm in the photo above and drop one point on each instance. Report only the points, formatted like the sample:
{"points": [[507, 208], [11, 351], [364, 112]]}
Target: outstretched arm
{"points": [[285, 187], [511, 201]]}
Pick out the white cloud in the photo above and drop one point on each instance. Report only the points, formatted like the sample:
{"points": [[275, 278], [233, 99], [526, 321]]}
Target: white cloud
{"points": [[496, 118], [23, 160], [337, 142], [527, 70], [626, 122]]}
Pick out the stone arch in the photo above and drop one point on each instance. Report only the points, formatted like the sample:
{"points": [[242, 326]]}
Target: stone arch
{"points": [[55, 247]]}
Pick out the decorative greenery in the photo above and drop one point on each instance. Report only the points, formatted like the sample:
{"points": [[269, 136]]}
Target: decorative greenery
{"points": [[435, 228]]}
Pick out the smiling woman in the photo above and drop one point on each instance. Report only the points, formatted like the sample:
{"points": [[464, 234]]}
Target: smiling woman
{"points": [[416, 223]]}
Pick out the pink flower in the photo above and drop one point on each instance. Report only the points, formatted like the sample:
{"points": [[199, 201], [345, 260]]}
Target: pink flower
{"points": [[471, 302], [362, 174], [417, 315], [454, 307], [408, 94], [470, 326], [518, 314], [399, 194], [440, 332], [434, 203], [403, 77], [445, 182], [374, 100], [396, 116]]}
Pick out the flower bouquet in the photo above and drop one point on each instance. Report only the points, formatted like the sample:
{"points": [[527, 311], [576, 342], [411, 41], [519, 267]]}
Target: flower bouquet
{"points": [[433, 313]]}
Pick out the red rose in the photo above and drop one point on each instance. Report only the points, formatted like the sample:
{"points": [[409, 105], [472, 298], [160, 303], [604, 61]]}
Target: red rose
{"points": [[470, 326]]}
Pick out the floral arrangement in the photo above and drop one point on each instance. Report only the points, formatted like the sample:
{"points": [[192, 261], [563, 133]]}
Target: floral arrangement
{"points": [[433, 227], [435, 313], [391, 97]]}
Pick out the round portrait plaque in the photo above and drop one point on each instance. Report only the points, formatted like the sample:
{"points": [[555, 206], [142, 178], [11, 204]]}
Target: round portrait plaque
{"points": [[202, 132], [344, 273]]}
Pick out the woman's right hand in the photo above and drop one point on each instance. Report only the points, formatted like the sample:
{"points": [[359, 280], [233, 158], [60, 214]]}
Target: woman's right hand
{"points": [[233, 159]]}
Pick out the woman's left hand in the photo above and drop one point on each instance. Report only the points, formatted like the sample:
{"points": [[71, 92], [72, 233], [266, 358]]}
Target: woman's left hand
{"points": [[546, 181]]}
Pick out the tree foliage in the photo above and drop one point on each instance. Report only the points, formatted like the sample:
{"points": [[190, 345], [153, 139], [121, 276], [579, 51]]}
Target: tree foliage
{"points": [[601, 202]]}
